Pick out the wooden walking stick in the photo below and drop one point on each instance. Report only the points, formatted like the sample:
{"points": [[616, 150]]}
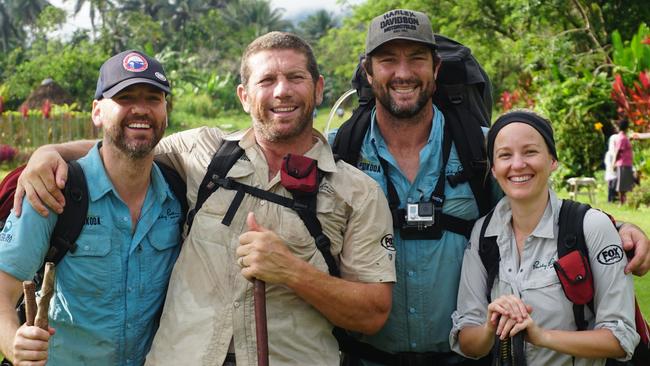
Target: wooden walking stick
{"points": [[36, 314], [29, 292], [262, 336]]}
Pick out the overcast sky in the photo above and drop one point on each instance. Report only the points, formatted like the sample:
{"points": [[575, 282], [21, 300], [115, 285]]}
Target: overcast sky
{"points": [[293, 9]]}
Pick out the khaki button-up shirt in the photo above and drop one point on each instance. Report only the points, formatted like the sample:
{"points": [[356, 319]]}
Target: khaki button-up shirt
{"points": [[209, 302], [534, 280]]}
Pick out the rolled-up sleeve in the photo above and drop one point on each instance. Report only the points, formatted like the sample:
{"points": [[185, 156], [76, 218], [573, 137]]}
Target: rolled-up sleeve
{"points": [[471, 306], [614, 290]]}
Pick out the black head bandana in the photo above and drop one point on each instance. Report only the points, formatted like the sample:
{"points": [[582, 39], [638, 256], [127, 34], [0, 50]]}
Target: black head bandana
{"points": [[540, 124]]}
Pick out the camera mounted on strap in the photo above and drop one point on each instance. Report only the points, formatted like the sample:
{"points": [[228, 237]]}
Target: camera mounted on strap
{"points": [[421, 220]]}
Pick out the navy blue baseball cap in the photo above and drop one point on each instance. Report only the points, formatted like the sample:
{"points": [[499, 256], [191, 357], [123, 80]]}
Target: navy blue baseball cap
{"points": [[128, 68]]}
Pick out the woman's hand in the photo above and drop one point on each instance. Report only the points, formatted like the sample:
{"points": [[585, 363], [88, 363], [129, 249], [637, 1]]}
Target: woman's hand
{"points": [[505, 313]]}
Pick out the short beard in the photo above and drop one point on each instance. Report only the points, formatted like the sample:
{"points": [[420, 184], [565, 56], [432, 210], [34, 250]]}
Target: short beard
{"points": [[383, 97], [268, 134], [133, 151]]}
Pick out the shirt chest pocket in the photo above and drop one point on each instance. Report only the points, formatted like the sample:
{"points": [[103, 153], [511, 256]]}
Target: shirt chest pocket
{"points": [[88, 270], [301, 242], [541, 276], [160, 255]]}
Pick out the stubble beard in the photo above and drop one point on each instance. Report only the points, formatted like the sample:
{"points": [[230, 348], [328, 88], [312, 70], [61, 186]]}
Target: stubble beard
{"points": [[265, 127], [383, 96], [136, 149]]}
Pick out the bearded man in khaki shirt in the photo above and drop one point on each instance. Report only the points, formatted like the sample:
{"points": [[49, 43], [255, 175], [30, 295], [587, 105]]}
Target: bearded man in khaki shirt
{"points": [[209, 307]]}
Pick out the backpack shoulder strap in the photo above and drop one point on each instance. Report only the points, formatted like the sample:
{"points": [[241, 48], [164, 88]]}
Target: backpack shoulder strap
{"points": [[472, 155], [178, 186], [570, 238], [71, 221], [488, 251], [348, 139], [570, 234], [226, 156]]}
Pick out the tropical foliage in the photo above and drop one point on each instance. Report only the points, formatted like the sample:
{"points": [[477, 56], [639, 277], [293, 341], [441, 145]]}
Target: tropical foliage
{"points": [[583, 63]]}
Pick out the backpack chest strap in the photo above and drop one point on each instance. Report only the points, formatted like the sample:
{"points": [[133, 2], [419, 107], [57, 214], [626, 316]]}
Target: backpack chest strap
{"points": [[303, 204], [441, 221]]}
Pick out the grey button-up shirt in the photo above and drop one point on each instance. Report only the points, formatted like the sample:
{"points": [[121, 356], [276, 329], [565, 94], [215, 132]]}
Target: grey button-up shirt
{"points": [[533, 278]]}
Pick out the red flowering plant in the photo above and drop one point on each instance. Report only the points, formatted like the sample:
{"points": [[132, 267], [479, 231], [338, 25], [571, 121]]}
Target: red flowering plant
{"points": [[7, 153], [519, 97], [633, 102], [46, 108], [631, 86]]}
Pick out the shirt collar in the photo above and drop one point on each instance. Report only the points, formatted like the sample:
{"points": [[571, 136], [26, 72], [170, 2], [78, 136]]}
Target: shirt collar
{"points": [[437, 125], [502, 216], [320, 152], [94, 169]]}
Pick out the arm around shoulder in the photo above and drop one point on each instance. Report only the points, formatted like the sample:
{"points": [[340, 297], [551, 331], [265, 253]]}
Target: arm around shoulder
{"points": [[45, 175]]}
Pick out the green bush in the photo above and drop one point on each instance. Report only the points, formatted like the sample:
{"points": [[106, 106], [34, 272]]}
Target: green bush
{"points": [[575, 106], [640, 195], [200, 105]]}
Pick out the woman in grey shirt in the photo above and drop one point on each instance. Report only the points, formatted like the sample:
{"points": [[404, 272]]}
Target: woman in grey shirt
{"points": [[527, 294]]}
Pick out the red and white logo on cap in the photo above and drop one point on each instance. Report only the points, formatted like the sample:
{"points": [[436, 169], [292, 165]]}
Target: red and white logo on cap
{"points": [[135, 62]]}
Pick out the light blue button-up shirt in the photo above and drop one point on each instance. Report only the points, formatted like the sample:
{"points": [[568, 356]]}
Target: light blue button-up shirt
{"points": [[428, 271], [110, 291]]}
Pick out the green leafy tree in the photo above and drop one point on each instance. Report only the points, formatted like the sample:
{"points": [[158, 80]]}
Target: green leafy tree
{"points": [[316, 25], [255, 16], [8, 31], [96, 7], [74, 68]]}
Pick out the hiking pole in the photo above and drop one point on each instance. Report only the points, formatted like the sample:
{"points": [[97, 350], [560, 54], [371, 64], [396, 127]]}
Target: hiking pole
{"points": [[29, 295], [261, 334], [510, 351], [47, 290], [36, 309]]}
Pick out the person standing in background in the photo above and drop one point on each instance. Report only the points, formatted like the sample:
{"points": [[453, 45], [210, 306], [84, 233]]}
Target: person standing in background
{"points": [[623, 157], [610, 168]]}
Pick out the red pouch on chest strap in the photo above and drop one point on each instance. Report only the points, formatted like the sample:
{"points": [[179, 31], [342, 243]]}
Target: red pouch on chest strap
{"points": [[299, 173], [574, 273]]}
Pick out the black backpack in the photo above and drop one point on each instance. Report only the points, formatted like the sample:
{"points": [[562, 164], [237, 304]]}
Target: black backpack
{"points": [[573, 269], [464, 96], [71, 221]]}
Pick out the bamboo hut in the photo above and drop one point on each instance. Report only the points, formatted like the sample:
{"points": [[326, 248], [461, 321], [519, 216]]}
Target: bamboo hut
{"points": [[48, 90]]}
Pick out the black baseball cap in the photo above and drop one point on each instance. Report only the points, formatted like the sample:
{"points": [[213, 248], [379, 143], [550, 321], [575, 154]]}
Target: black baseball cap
{"points": [[128, 68]]}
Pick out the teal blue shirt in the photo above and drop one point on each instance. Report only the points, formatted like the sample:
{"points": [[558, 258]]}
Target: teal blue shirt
{"points": [[428, 271], [110, 291]]}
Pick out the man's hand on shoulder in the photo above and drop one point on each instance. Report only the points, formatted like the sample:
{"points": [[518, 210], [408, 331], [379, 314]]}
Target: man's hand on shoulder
{"points": [[636, 241], [42, 182]]}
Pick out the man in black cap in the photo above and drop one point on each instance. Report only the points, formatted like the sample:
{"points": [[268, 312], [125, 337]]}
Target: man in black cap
{"points": [[111, 288]]}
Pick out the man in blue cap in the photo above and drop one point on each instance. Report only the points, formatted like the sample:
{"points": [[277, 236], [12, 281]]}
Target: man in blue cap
{"points": [[111, 288]]}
